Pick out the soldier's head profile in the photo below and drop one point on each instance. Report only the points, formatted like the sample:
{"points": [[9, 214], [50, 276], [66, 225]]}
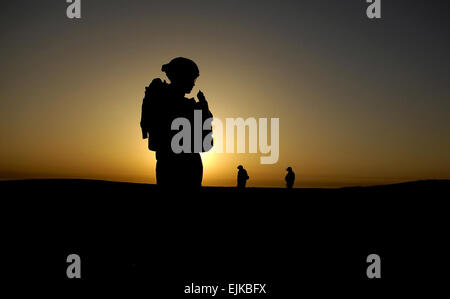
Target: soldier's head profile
{"points": [[182, 73]]}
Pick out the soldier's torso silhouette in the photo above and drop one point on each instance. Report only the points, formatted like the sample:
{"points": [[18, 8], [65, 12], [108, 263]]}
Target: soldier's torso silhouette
{"points": [[183, 169], [242, 178], [290, 178]]}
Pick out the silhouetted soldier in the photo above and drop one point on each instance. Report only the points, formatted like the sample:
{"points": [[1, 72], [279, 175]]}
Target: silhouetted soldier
{"points": [[242, 177], [290, 178], [162, 104]]}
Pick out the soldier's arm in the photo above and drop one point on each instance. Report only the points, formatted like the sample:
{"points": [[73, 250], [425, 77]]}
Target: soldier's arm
{"points": [[203, 105]]}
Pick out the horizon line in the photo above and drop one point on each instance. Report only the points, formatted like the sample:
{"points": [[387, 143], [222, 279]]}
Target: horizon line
{"points": [[214, 186]]}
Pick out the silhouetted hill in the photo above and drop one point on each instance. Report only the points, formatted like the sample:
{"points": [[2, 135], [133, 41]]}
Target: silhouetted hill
{"points": [[426, 185], [133, 237]]}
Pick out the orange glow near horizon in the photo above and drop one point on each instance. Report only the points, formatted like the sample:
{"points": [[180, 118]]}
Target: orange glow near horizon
{"points": [[89, 132]]}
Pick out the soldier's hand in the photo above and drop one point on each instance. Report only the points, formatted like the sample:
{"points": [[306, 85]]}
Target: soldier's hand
{"points": [[201, 97]]}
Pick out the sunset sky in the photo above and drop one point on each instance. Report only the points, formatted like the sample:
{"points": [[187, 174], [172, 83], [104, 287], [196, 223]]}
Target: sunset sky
{"points": [[360, 101]]}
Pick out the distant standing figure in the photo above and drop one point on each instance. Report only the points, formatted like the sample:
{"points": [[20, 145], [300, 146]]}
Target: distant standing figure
{"points": [[290, 178], [242, 177]]}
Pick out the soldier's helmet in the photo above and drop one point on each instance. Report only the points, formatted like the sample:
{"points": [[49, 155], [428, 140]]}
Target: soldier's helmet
{"points": [[181, 67]]}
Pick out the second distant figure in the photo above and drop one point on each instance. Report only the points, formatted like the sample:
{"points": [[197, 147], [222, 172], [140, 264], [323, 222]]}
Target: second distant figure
{"points": [[290, 178], [242, 177]]}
